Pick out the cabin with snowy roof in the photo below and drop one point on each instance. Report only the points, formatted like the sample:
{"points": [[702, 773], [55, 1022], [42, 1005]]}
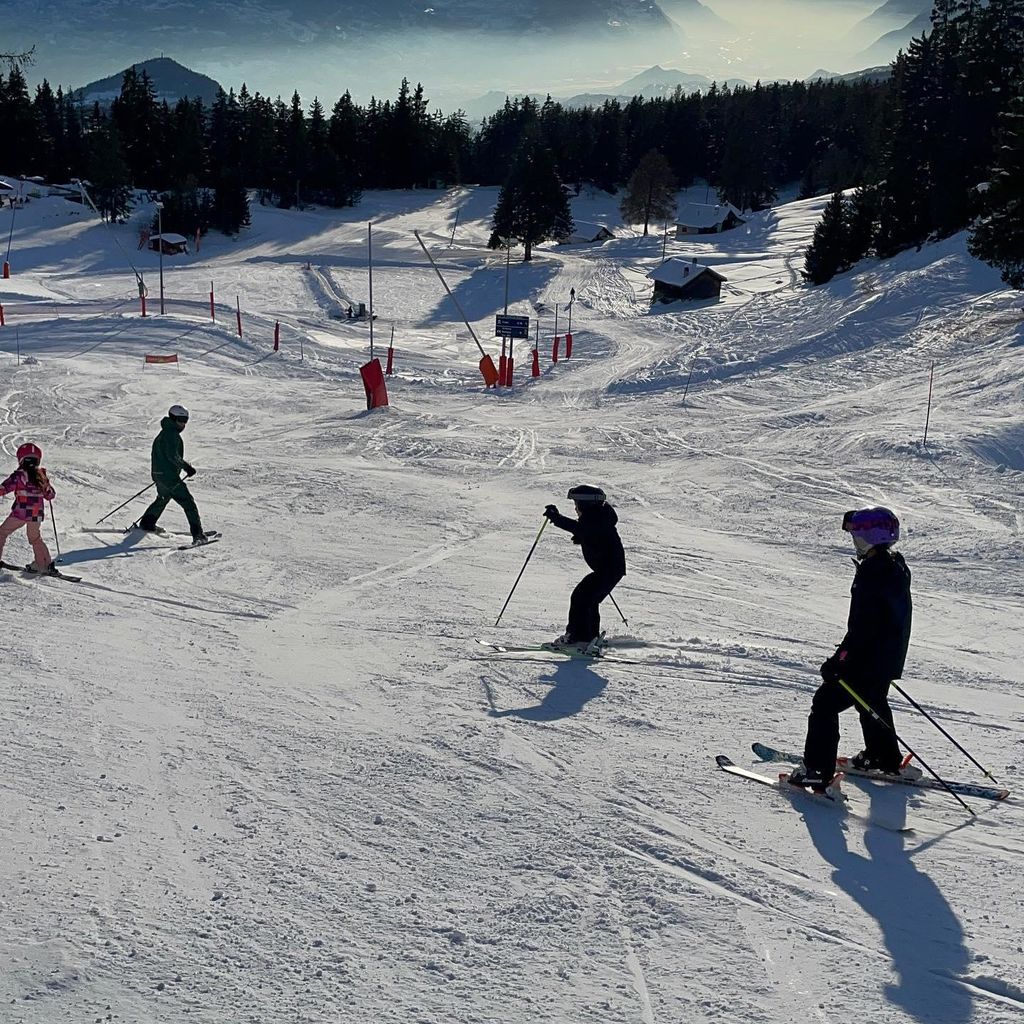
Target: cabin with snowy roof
{"points": [[171, 244], [584, 232], [707, 219], [680, 279]]}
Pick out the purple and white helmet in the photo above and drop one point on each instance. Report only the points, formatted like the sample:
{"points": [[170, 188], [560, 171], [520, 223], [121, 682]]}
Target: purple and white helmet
{"points": [[872, 526]]}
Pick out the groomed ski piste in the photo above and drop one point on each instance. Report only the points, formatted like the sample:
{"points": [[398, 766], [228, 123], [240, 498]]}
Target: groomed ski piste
{"points": [[276, 779]]}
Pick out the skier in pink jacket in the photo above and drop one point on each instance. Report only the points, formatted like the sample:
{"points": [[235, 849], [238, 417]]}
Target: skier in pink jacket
{"points": [[31, 489]]}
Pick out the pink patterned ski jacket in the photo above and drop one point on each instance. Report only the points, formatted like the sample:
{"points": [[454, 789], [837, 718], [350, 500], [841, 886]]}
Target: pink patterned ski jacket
{"points": [[28, 498]]}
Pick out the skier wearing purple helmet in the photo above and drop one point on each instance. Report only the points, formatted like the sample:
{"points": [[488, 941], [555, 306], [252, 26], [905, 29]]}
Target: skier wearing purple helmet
{"points": [[870, 657]]}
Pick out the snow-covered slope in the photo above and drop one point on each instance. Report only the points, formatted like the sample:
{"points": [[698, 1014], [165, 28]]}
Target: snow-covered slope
{"points": [[276, 780]]}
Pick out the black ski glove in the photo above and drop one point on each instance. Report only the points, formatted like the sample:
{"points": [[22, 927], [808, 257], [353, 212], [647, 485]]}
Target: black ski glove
{"points": [[551, 511], [831, 668], [190, 471]]}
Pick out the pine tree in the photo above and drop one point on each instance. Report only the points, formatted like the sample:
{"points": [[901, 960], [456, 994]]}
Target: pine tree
{"points": [[345, 138], [18, 125], [606, 161], [650, 192], [904, 208], [108, 172], [998, 235], [141, 128], [746, 173], [826, 256], [861, 212], [533, 205], [229, 211]]}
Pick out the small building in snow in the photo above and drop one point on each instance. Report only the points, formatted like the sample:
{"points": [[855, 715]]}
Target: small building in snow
{"points": [[583, 233], [705, 219], [171, 244], [678, 278]]}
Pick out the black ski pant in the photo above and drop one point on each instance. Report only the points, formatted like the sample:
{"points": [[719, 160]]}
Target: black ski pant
{"points": [[822, 746], [173, 490], [584, 606]]}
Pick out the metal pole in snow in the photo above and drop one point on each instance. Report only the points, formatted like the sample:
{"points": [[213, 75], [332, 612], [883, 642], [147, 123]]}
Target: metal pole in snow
{"points": [[10, 236], [688, 376], [53, 523], [450, 295], [928, 414], [369, 252], [454, 226], [17, 341], [508, 256]]}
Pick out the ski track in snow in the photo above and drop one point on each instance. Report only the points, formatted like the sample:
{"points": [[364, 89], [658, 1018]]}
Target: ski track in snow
{"points": [[277, 779]]}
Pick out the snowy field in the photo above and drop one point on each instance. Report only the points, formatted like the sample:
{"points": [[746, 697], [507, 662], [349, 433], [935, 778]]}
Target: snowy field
{"points": [[276, 780]]}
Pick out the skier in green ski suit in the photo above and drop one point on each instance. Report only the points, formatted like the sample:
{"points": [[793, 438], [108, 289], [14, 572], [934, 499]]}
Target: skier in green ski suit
{"points": [[168, 462]]}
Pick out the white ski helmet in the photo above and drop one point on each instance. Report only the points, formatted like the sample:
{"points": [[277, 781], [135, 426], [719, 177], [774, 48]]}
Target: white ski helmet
{"points": [[178, 412]]}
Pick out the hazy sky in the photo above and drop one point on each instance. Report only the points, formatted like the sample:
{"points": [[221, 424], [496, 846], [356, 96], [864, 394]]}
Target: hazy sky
{"points": [[768, 39], [772, 39]]}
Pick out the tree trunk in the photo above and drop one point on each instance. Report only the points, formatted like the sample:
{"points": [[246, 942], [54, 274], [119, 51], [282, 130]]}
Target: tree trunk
{"points": [[529, 251]]}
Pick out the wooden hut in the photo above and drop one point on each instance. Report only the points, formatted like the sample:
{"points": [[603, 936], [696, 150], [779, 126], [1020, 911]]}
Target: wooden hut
{"points": [[678, 279]]}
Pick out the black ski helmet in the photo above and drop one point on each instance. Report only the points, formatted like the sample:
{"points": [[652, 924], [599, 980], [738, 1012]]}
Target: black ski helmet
{"points": [[584, 494]]}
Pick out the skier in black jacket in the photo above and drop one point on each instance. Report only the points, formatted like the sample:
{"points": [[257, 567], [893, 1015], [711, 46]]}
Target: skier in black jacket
{"points": [[871, 656], [168, 462], [595, 532]]}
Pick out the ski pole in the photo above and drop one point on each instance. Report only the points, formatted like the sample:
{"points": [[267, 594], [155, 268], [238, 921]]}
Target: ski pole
{"points": [[963, 751], [128, 502], [521, 571], [53, 523], [874, 714], [618, 609]]}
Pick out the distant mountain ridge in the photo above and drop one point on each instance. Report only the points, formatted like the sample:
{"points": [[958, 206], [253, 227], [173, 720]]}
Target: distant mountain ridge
{"points": [[171, 81], [653, 83], [891, 16], [880, 74], [891, 43]]}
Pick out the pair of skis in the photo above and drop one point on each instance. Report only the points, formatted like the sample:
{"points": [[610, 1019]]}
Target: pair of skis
{"points": [[209, 537], [587, 652], [844, 766], [53, 572]]}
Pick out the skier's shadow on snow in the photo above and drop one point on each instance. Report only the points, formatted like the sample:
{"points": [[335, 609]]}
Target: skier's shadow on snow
{"points": [[123, 548], [573, 685], [922, 934]]}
